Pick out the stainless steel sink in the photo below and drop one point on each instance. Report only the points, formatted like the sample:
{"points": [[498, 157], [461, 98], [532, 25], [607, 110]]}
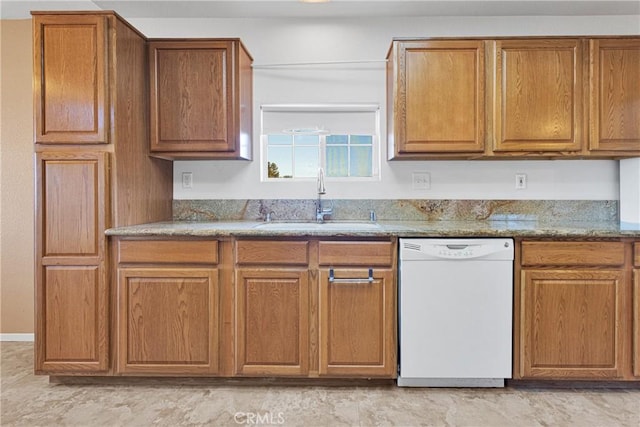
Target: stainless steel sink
{"points": [[338, 226]]}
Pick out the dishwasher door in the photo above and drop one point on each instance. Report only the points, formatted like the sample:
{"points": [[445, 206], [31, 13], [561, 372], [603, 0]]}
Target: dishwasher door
{"points": [[455, 312]]}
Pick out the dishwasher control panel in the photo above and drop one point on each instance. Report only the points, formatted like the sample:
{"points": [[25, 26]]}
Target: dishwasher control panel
{"points": [[456, 249]]}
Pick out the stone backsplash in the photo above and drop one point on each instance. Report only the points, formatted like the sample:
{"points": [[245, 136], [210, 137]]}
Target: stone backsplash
{"points": [[396, 210]]}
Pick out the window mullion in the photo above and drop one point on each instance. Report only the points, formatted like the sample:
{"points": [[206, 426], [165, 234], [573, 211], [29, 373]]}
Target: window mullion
{"points": [[349, 155], [323, 152]]}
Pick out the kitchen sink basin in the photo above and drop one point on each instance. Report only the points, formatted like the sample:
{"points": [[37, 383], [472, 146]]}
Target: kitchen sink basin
{"points": [[338, 226]]}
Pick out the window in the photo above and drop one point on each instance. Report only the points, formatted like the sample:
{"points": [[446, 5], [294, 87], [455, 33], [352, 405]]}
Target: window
{"points": [[297, 140]]}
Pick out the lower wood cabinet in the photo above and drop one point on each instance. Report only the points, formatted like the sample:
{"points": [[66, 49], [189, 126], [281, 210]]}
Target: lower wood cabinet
{"points": [[304, 308], [573, 311], [357, 322], [272, 321], [72, 293], [572, 323], [315, 308], [168, 307], [168, 321], [636, 310], [271, 308]]}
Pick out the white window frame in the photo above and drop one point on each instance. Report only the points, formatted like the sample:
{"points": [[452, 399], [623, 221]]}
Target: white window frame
{"points": [[320, 108]]}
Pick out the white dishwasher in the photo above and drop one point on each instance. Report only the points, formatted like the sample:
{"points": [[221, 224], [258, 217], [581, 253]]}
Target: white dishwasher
{"points": [[455, 312]]}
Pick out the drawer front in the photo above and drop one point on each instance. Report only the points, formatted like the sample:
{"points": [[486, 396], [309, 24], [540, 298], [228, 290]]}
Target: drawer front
{"points": [[168, 251], [636, 254], [356, 253], [289, 252], [572, 253]]}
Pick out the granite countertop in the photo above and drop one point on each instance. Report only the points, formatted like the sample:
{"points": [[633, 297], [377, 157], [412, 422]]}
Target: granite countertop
{"points": [[493, 228]]}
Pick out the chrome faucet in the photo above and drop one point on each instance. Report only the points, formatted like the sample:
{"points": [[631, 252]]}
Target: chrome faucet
{"points": [[320, 211]]}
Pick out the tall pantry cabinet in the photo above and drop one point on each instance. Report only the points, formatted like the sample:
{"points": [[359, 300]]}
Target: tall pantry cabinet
{"points": [[92, 173]]}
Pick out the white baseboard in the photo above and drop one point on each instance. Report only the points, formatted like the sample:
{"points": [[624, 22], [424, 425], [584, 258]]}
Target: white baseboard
{"points": [[16, 337]]}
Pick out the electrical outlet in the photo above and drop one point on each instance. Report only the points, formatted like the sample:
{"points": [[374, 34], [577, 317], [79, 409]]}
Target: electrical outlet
{"points": [[521, 181], [421, 180], [187, 179]]}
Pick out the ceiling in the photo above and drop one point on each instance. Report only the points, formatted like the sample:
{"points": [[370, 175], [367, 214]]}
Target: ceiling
{"points": [[17, 9]]}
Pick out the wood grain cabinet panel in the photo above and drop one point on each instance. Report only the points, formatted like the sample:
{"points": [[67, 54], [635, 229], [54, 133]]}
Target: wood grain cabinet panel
{"points": [[573, 254], [71, 206], [168, 251], [572, 323], [436, 95], [199, 98], [355, 253], [272, 252], [72, 319], [71, 284], [636, 309], [538, 99], [636, 322], [272, 322], [93, 172], [357, 323], [168, 321], [614, 95], [70, 79]]}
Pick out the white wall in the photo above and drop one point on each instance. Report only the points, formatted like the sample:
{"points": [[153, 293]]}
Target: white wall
{"points": [[305, 40], [630, 192]]}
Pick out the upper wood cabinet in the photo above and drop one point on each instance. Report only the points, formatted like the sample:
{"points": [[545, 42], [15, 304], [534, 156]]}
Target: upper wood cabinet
{"points": [[614, 95], [70, 79], [201, 99], [538, 100], [520, 97], [436, 97]]}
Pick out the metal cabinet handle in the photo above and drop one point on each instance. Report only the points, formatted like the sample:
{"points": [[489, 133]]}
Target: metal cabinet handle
{"points": [[333, 279]]}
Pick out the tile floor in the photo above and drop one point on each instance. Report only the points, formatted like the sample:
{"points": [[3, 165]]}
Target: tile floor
{"points": [[28, 400]]}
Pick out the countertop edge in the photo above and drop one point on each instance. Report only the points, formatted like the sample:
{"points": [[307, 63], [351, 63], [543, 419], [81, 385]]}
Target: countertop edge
{"points": [[385, 229]]}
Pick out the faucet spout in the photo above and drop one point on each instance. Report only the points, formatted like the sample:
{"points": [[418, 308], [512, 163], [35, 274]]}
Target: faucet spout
{"points": [[320, 211], [321, 188]]}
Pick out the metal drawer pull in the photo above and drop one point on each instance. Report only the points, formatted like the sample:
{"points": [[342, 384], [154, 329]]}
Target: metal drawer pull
{"points": [[332, 279]]}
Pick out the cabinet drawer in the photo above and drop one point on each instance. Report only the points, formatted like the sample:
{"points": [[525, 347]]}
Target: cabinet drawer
{"points": [[572, 253], [636, 254], [356, 253], [290, 252], [168, 251]]}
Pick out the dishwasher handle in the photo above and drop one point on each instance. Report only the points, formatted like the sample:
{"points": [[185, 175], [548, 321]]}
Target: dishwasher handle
{"points": [[333, 279], [457, 247]]}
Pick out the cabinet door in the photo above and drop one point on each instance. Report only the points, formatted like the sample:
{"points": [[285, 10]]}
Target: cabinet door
{"points": [[272, 322], [636, 319], [71, 285], [70, 79], [440, 96], [357, 323], [168, 321], [572, 323], [538, 95], [192, 96], [614, 95]]}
